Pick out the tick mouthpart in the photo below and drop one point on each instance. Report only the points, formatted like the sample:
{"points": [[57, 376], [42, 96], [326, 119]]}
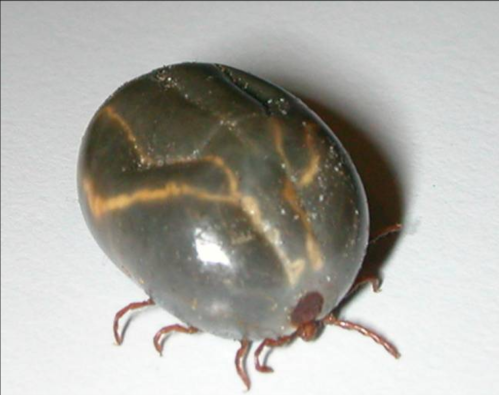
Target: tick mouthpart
{"points": [[308, 309], [304, 315], [309, 330]]}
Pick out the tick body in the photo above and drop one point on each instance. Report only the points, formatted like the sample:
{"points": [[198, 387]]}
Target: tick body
{"points": [[226, 199]]}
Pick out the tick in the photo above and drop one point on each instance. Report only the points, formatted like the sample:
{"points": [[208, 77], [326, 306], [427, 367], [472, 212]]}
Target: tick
{"points": [[229, 202]]}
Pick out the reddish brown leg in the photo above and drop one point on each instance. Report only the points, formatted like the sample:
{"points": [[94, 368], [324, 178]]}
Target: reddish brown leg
{"points": [[373, 279], [122, 312], [384, 232], [270, 343], [332, 320], [240, 362], [359, 282], [171, 328]]}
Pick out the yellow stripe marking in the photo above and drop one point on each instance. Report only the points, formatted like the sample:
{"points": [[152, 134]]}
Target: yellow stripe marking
{"points": [[313, 166], [277, 131], [313, 249], [101, 206], [130, 136]]}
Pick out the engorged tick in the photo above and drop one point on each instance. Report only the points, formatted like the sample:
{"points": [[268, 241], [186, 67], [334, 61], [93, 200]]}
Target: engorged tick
{"points": [[229, 202]]}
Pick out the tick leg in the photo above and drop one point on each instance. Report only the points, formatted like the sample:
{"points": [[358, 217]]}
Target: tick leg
{"points": [[384, 232], [373, 279], [240, 362], [122, 312], [171, 328], [359, 282], [270, 343], [332, 320]]}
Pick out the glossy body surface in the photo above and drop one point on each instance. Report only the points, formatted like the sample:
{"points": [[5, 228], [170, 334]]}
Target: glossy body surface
{"points": [[224, 197]]}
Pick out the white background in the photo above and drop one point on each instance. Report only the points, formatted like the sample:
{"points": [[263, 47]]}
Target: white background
{"points": [[413, 89]]}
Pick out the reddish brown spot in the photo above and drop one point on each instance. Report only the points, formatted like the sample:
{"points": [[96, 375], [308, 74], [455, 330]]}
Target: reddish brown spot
{"points": [[307, 309]]}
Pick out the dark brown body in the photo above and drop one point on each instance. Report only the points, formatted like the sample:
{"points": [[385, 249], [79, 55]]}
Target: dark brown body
{"points": [[225, 198]]}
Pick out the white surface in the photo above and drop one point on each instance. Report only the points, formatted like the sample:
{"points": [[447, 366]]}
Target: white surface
{"points": [[421, 80]]}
